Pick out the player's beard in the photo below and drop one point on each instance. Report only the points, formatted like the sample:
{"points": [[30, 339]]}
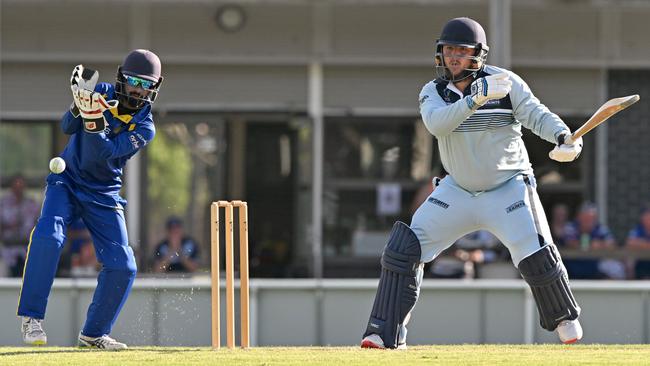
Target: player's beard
{"points": [[455, 69]]}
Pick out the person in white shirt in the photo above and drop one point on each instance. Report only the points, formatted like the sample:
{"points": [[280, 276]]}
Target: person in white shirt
{"points": [[476, 112]]}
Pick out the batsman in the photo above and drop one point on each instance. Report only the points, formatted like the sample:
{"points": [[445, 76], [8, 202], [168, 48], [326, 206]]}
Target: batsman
{"points": [[107, 124], [476, 112]]}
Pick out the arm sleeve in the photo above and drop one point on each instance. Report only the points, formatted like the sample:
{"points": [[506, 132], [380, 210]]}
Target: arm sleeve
{"points": [[104, 89], [439, 118], [532, 114], [69, 123], [125, 143]]}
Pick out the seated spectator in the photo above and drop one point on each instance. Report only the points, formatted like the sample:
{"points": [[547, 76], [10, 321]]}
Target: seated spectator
{"points": [[586, 233], [18, 215], [76, 234], [469, 251], [177, 252], [270, 255], [639, 239], [83, 262], [559, 221]]}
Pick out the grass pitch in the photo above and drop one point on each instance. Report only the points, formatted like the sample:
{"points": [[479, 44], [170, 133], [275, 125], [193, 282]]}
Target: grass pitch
{"points": [[527, 355]]}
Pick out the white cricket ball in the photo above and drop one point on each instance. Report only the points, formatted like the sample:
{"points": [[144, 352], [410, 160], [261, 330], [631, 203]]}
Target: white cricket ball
{"points": [[57, 165]]}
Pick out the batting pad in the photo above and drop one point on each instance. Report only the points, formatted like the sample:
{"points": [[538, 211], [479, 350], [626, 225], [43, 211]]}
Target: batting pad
{"points": [[547, 277], [397, 291]]}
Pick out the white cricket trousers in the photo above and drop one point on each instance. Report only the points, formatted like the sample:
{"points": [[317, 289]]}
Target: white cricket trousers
{"points": [[512, 212]]}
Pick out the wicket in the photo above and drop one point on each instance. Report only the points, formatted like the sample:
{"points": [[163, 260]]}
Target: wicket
{"points": [[230, 279]]}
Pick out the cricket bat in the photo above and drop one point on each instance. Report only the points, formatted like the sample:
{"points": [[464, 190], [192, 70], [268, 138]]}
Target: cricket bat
{"points": [[610, 108]]}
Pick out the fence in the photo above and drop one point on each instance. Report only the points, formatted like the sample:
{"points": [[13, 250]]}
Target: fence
{"points": [[175, 312]]}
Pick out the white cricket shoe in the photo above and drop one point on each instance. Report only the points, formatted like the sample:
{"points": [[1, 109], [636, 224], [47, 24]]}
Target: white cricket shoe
{"points": [[33, 332], [375, 341], [103, 342], [570, 331]]}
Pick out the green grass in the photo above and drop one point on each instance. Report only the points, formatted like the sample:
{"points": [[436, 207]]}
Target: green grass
{"points": [[526, 355]]}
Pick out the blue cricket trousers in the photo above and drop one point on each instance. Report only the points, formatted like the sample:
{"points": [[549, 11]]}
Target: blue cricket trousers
{"points": [[107, 227]]}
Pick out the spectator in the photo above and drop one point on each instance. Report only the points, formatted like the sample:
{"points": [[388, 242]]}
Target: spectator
{"points": [[270, 257], [586, 233], [83, 262], [18, 215], [177, 252], [76, 234], [472, 249], [639, 239], [559, 221]]}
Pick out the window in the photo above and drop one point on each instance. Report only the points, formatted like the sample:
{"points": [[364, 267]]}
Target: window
{"points": [[17, 149], [373, 169]]}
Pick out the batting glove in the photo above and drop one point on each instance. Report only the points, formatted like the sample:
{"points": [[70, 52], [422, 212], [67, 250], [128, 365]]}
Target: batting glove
{"points": [[91, 108], [487, 88], [564, 152]]}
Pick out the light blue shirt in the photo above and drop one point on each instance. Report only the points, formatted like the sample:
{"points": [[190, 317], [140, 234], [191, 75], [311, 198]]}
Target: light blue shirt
{"points": [[481, 149]]}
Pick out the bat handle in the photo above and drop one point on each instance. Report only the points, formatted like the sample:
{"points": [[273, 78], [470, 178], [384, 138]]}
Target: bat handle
{"points": [[569, 140]]}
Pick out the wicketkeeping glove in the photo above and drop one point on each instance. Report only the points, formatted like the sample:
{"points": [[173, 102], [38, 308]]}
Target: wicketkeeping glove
{"points": [[91, 108], [489, 87], [564, 152], [82, 78]]}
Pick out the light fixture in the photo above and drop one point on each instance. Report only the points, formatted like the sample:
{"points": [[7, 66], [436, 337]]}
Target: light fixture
{"points": [[230, 18]]}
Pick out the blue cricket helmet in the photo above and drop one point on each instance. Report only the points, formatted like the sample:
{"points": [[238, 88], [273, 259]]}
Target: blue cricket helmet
{"points": [[142, 64], [463, 32]]}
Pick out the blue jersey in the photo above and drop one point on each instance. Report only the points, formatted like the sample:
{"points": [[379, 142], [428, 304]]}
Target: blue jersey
{"points": [[94, 161], [599, 232], [639, 232]]}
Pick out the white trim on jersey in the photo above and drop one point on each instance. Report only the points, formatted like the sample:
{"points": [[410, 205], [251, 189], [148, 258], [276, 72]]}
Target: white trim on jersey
{"points": [[495, 110]]}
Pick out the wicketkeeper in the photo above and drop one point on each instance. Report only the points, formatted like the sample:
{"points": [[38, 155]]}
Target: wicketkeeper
{"points": [[477, 111], [107, 125]]}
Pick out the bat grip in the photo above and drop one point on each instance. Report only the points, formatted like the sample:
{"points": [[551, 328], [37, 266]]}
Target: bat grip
{"points": [[569, 140]]}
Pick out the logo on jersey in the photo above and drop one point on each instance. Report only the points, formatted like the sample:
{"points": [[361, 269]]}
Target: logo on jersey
{"points": [[142, 139], [492, 102], [423, 99], [446, 96], [516, 205], [438, 202], [134, 141]]}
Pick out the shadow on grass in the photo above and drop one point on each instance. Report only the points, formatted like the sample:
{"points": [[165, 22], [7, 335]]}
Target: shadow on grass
{"points": [[166, 350]]}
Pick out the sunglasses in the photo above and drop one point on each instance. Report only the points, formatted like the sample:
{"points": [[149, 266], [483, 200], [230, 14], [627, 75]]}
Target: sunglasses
{"points": [[136, 82]]}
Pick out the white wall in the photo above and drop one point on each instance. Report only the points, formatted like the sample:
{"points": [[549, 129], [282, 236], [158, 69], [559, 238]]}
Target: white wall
{"points": [[175, 312]]}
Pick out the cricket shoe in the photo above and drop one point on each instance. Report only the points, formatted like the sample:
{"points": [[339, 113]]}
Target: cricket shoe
{"points": [[104, 342], [375, 341], [33, 332], [570, 331]]}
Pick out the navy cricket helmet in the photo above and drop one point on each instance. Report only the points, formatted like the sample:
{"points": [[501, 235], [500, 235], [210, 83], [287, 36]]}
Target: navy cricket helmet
{"points": [[141, 69], [464, 32]]}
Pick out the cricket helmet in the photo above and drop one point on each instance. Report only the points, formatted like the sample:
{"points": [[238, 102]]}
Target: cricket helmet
{"points": [[464, 32], [141, 68]]}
